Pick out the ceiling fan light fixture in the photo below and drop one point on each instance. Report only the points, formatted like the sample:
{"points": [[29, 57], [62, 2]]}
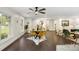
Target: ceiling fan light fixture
{"points": [[36, 13]]}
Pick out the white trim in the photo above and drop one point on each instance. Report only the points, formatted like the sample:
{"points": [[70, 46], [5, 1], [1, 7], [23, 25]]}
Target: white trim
{"points": [[6, 42]]}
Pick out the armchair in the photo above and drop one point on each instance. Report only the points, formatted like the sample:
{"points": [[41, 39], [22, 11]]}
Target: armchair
{"points": [[70, 36]]}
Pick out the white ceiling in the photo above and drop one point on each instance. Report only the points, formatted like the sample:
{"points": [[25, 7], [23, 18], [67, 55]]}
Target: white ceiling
{"points": [[50, 11]]}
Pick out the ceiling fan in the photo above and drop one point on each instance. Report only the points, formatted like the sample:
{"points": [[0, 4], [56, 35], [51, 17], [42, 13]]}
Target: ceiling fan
{"points": [[37, 10]]}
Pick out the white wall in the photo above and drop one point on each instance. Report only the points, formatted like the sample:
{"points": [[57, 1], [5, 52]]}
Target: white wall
{"points": [[76, 22], [16, 25], [48, 23]]}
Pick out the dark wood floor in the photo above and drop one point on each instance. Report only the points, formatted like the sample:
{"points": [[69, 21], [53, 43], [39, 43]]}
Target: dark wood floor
{"points": [[23, 44]]}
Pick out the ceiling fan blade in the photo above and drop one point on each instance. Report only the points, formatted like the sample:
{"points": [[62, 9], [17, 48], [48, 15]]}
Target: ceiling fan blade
{"points": [[42, 9], [42, 12], [31, 9]]}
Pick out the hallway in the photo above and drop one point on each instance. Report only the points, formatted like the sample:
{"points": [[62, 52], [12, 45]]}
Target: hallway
{"points": [[23, 44]]}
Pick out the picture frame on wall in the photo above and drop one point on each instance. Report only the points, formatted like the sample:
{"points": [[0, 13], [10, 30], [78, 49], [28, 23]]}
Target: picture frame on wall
{"points": [[65, 22]]}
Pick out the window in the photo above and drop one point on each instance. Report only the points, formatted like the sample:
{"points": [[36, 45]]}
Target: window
{"points": [[4, 27]]}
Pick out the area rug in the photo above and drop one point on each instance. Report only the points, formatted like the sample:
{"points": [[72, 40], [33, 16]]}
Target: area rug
{"points": [[37, 40], [67, 47]]}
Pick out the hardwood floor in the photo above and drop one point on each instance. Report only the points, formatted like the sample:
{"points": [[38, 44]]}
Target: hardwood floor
{"points": [[23, 44]]}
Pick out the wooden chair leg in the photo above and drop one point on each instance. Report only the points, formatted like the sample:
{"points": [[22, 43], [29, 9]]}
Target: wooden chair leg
{"points": [[75, 42]]}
